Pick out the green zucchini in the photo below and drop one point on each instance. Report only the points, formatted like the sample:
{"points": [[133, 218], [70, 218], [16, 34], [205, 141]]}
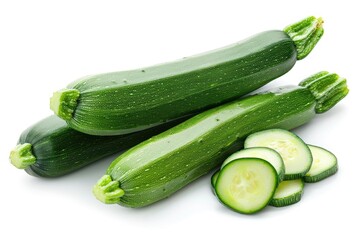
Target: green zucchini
{"points": [[50, 148], [292, 149], [128, 101], [163, 164], [246, 185], [265, 153], [324, 165], [214, 178], [287, 193]]}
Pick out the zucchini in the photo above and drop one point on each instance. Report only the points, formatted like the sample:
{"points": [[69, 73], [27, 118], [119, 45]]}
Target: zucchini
{"points": [[128, 101], [265, 153], [324, 165], [165, 163], [214, 178], [246, 185], [287, 193], [294, 152], [50, 148]]}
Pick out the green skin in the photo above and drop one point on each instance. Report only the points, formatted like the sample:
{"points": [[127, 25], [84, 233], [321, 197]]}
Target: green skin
{"points": [[50, 148], [184, 153], [160, 166], [214, 178], [134, 100], [288, 200], [127, 101]]}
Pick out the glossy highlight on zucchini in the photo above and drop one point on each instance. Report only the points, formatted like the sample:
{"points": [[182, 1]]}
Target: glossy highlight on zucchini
{"points": [[50, 148], [128, 101], [160, 166]]}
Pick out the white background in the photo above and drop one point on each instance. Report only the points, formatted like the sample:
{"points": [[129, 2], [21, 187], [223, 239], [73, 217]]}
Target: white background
{"points": [[44, 45]]}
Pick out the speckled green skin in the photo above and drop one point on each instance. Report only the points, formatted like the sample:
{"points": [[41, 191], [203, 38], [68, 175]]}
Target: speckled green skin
{"points": [[128, 101], [60, 150], [160, 166]]}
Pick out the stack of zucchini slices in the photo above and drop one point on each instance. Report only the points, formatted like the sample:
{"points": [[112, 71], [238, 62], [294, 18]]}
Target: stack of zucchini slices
{"points": [[270, 170]]}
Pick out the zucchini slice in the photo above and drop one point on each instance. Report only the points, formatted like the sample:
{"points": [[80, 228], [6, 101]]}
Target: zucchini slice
{"points": [[214, 178], [324, 164], [287, 193], [267, 154], [246, 185], [294, 152]]}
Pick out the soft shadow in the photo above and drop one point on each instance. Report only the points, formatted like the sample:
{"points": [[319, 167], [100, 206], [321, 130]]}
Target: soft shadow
{"points": [[77, 184]]}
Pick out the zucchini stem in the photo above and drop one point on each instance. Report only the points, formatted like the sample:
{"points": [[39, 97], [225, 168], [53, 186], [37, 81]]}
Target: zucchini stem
{"points": [[64, 102], [108, 191], [21, 156], [305, 34], [327, 88]]}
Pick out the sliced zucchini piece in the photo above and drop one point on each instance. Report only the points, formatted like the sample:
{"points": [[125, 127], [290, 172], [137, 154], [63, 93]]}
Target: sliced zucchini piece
{"points": [[214, 178], [246, 185], [294, 152], [287, 193], [324, 164], [265, 153]]}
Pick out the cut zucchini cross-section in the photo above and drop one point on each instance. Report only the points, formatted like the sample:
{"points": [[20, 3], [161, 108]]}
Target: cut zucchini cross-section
{"points": [[265, 153], [324, 164], [294, 152], [287, 193], [246, 185]]}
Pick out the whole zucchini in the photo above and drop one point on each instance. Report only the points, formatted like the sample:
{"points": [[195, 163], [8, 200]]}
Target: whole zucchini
{"points": [[127, 101], [161, 165], [50, 148]]}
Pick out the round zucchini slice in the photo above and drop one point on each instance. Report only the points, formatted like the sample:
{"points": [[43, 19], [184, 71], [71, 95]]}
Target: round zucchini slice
{"points": [[294, 152], [265, 153], [246, 185]]}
